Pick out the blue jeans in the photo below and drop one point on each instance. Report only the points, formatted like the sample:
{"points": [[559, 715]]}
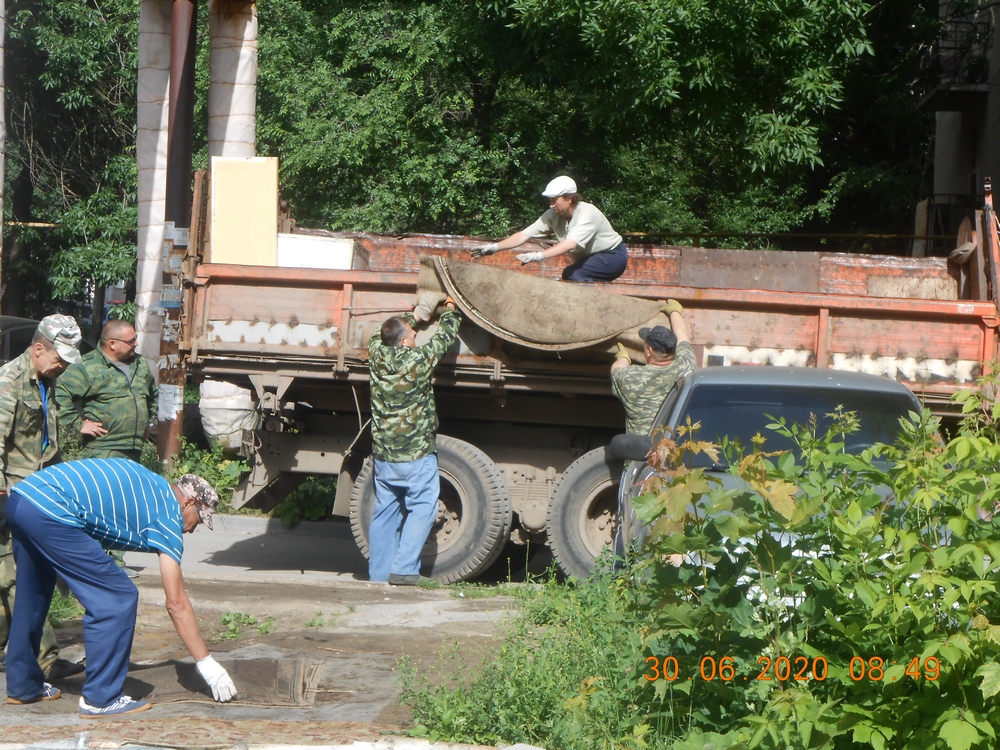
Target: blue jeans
{"points": [[406, 502], [42, 548], [606, 266]]}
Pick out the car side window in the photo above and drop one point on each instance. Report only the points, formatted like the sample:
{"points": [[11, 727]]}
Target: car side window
{"points": [[738, 413], [17, 340]]}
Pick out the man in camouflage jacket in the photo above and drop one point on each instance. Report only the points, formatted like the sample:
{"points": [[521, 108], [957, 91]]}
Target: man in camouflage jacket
{"points": [[668, 356], [30, 440], [404, 431], [109, 398]]}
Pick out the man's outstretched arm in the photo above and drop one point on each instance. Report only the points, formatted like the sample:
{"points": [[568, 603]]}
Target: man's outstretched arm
{"points": [[186, 624]]}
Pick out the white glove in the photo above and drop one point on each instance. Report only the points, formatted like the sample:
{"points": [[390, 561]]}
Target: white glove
{"points": [[488, 249], [223, 687], [530, 257]]}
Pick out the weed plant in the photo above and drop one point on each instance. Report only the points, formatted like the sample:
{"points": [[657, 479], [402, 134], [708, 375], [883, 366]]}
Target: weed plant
{"points": [[570, 641], [310, 501], [234, 622], [64, 609], [817, 600], [222, 472]]}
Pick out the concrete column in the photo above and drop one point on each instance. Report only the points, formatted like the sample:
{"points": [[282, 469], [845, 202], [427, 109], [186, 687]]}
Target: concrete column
{"points": [[232, 93], [151, 157]]}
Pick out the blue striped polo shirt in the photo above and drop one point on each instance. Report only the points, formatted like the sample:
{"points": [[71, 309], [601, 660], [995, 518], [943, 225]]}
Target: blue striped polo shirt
{"points": [[116, 501]]}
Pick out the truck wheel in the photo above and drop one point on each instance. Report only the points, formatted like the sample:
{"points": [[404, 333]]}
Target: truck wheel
{"points": [[474, 512], [583, 512]]}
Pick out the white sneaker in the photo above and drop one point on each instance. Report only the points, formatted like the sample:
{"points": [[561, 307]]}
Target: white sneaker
{"points": [[124, 705]]}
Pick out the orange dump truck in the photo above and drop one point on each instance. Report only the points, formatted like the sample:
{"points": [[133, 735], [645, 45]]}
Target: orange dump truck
{"points": [[523, 430]]}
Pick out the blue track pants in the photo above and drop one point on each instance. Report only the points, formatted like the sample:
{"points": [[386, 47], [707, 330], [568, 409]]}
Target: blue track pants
{"points": [[44, 547]]}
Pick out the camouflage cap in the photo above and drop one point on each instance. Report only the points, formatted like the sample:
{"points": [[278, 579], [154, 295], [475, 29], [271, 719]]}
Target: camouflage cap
{"points": [[64, 334], [193, 486]]}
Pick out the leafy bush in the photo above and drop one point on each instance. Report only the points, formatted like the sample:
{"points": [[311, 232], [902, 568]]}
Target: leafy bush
{"points": [[310, 501], [818, 600]]}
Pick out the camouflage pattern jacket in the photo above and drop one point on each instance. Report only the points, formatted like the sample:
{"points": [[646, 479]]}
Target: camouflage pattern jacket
{"points": [[641, 389], [98, 390], [404, 417], [21, 421]]}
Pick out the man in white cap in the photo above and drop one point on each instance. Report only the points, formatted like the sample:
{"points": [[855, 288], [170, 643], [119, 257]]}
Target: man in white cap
{"points": [[597, 250], [63, 518], [29, 441]]}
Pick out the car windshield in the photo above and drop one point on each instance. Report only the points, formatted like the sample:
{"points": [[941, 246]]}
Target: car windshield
{"points": [[739, 412]]}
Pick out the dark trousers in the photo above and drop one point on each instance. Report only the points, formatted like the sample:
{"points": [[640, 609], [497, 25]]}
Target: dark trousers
{"points": [[44, 547], [606, 266]]}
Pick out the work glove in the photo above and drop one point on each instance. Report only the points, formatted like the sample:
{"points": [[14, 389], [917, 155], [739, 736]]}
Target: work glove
{"points": [[427, 304], [623, 353], [488, 249], [672, 306], [223, 687], [530, 257]]}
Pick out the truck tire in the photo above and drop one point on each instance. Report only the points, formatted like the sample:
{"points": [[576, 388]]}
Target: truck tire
{"points": [[583, 512], [474, 512]]}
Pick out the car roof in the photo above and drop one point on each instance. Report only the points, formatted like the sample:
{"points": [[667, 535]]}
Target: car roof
{"points": [[10, 321], [804, 377]]}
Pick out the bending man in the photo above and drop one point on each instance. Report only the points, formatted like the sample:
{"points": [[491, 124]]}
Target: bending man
{"points": [[62, 518]]}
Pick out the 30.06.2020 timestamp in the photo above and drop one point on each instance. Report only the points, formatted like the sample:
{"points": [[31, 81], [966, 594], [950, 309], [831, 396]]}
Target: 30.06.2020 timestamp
{"points": [[787, 668]]}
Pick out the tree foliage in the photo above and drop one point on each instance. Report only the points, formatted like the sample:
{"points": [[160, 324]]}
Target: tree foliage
{"points": [[71, 72], [450, 116]]}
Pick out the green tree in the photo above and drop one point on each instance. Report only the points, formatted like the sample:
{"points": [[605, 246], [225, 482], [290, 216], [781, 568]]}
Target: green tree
{"points": [[453, 115], [71, 69]]}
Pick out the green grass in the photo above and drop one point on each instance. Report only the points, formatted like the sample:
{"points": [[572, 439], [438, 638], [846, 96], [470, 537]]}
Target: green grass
{"points": [[64, 609]]}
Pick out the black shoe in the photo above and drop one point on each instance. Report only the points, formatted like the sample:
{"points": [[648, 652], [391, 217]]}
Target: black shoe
{"points": [[3, 662], [398, 580], [61, 668]]}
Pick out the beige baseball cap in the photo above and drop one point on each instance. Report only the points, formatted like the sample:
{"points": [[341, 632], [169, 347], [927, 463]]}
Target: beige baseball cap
{"points": [[64, 334]]}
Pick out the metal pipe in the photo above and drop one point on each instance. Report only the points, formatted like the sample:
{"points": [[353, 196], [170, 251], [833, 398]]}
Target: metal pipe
{"points": [[180, 139], [180, 123]]}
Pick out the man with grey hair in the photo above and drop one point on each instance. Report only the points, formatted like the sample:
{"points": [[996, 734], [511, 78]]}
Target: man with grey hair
{"points": [[29, 441]]}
